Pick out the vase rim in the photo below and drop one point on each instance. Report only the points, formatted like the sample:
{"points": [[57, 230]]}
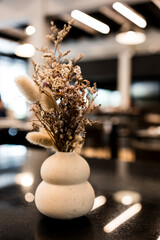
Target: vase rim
{"points": [[65, 152]]}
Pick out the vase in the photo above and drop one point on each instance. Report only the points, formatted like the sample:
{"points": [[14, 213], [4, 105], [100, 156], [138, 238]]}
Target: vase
{"points": [[65, 192]]}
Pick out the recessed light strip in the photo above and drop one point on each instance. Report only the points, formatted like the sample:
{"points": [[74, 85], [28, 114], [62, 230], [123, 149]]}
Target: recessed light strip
{"points": [[130, 14], [90, 21]]}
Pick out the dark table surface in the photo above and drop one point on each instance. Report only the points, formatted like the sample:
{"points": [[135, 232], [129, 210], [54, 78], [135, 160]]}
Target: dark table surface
{"points": [[132, 192]]}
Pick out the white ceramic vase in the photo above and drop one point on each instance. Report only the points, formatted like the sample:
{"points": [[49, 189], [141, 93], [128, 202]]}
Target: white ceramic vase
{"points": [[65, 192]]}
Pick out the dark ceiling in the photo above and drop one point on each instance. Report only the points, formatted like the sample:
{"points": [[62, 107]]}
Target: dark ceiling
{"points": [[147, 9], [104, 72]]}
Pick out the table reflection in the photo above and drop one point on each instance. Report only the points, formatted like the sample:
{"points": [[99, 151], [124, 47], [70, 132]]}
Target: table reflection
{"points": [[127, 202], [123, 217]]}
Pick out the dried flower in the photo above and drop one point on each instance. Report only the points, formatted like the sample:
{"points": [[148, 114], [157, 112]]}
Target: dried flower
{"points": [[64, 103]]}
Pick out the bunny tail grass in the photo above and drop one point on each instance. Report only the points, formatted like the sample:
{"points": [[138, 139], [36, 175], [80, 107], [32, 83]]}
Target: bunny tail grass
{"points": [[40, 139], [47, 100], [28, 88]]}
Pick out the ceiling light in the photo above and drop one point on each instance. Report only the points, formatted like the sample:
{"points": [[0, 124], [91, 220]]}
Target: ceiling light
{"points": [[30, 30], [90, 21], [130, 14], [131, 37], [25, 50]]}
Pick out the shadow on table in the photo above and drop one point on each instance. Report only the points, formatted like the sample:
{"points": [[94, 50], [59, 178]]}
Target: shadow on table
{"points": [[76, 229]]}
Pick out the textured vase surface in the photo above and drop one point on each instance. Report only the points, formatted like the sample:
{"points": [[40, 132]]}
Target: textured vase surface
{"points": [[65, 192]]}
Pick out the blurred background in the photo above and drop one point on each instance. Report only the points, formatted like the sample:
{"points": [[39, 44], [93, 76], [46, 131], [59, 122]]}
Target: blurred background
{"points": [[121, 54]]}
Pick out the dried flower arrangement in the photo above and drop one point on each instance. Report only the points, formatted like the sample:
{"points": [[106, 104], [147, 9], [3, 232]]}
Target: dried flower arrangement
{"points": [[60, 96]]}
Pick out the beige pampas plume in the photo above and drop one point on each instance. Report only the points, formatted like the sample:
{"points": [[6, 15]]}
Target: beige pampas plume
{"points": [[43, 131], [41, 139], [47, 100], [28, 88]]}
